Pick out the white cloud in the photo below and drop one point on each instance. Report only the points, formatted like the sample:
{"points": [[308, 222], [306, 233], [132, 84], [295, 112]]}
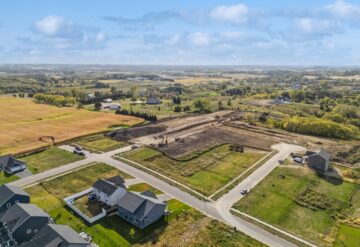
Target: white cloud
{"points": [[200, 39], [236, 14], [101, 37], [343, 9], [315, 26], [53, 25]]}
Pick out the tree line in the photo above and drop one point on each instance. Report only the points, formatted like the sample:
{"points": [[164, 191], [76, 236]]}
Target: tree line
{"points": [[144, 115], [57, 100]]}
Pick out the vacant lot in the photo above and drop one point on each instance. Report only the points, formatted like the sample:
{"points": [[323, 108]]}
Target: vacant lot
{"points": [[99, 143], [302, 203], [49, 159], [22, 123], [206, 173], [183, 226]]}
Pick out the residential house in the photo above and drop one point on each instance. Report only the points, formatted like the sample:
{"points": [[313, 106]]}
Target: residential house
{"points": [[153, 101], [10, 165], [110, 190], [318, 160], [20, 223], [141, 209], [110, 106], [52, 235], [9, 195], [107, 100]]}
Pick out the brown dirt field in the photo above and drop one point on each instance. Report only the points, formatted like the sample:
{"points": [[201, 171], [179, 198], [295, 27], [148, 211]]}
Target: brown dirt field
{"points": [[22, 122]]}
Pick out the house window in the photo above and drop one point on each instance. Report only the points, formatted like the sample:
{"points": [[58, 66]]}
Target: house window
{"points": [[28, 231], [8, 205]]}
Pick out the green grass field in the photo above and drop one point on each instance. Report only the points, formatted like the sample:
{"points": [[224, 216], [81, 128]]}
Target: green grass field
{"points": [[184, 223], [4, 179], [348, 236], [49, 159], [141, 187], [99, 144], [300, 202], [207, 173]]}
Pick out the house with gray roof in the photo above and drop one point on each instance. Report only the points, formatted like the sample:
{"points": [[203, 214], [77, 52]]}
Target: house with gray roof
{"points": [[141, 209], [20, 223], [10, 165], [110, 190], [52, 235], [9, 195], [318, 160]]}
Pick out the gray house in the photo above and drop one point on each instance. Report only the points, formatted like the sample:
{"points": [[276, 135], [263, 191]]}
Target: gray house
{"points": [[10, 165], [110, 190], [53, 235], [9, 195], [141, 209], [318, 160], [20, 223]]}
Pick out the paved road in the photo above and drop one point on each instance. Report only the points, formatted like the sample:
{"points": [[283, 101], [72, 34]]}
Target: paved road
{"points": [[219, 210]]}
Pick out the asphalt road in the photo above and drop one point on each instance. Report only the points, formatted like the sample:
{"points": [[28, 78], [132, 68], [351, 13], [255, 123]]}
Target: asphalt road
{"points": [[219, 210]]}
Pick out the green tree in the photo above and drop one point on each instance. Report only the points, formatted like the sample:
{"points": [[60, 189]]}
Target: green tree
{"points": [[202, 105]]}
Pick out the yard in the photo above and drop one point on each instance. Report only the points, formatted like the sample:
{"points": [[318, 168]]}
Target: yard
{"points": [[184, 225], [206, 173], [23, 122], [144, 187], [49, 159], [99, 143], [348, 236], [7, 179], [302, 203]]}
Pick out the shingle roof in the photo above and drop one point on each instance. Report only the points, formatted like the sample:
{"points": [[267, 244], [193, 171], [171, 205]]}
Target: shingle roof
{"points": [[106, 186], [148, 193], [19, 213], [116, 180], [322, 153], [9, 161], [139, 204], [7, 191], [53, 235]]}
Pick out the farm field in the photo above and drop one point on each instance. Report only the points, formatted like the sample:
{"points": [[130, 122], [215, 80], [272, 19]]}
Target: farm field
{"points": [[306, 204], [113, 231], [23, 122], [206, 173], [99, 143], [49, 159]]}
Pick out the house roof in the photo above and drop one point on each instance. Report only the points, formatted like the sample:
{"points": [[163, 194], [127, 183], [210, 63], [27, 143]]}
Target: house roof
{"points": [[9, 161], [321, 153], [106, 186], [53, 235], [19, 213], [7, 191], [116, 180], [139, 204]]}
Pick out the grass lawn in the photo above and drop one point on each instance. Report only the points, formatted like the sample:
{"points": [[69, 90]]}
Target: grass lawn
{"points": [[184, 225], [22, 122], [347, 236], [4, 179], [141, 187], [300, 202], [206, 173], [89, 208], [99, 144], [49, 159]]}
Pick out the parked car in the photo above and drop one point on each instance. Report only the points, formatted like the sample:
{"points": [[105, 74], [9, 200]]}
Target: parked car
{"points": [[298, 160], [135, 146], [280, 161], [79, 151], [244, 192]]}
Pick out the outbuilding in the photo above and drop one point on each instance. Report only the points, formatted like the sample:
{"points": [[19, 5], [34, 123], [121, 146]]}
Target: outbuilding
{"points": [[318, 160]]}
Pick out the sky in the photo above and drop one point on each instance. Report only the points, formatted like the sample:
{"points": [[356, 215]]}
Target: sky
{"points": [[187, 32]]}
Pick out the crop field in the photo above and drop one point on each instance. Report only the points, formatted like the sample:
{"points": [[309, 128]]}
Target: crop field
{"points": [[194, 80], [184, 225], [99, 143], [206, 173], [22, 123], [302, 203], [49, 159]]}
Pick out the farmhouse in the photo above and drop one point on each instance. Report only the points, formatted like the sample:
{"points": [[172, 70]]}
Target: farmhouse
{"points": [[109, 191], [110, 106], [9, 195], [20, 223], [141, 209], [318, 160], [10, 165], [56, 235]]}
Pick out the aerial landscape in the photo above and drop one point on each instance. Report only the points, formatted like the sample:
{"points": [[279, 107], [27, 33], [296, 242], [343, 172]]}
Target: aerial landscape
{"points": [[174, 123]]}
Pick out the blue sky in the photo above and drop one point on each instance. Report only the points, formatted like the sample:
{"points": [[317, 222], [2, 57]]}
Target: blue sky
{"points": [[181, 32]]}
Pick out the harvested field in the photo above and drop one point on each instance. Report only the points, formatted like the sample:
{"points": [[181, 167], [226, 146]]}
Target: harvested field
{"points": [[23, 122]]}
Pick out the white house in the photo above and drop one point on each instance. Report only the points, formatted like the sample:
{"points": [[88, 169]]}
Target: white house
{"points": [[110, 106], [107, 100], [109, 191]]}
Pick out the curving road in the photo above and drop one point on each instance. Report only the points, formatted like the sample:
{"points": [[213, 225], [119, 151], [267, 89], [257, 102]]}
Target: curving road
{"points": [[219, 210]]}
